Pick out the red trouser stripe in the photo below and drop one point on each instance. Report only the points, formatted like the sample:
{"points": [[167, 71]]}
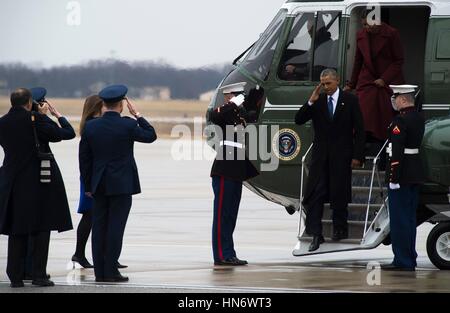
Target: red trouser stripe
{"points": [[219, 221]]}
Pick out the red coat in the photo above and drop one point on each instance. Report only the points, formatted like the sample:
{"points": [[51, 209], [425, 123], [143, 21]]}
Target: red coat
{"points": [[383, 59]]}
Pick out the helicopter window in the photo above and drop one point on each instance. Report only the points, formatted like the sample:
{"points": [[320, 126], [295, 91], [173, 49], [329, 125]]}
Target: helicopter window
{"points": [[326, 43], [260, 57], [301, 52], [443, 51], [296, 60]]}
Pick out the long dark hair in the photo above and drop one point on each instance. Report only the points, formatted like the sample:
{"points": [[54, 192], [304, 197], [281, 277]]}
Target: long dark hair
{"points": [[92, 107]]}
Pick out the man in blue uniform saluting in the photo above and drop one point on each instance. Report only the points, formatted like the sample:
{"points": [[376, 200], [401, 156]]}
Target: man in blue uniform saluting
{"points": [[405, 174], [109, 173]]}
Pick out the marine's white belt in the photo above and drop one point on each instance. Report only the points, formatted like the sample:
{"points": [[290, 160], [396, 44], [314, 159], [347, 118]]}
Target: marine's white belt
{"points": [[406, 151], [232, 144]]}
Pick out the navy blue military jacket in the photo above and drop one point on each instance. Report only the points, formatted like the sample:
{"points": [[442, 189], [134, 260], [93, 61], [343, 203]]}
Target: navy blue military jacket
{"points": [[406, 133], [107, 154]]}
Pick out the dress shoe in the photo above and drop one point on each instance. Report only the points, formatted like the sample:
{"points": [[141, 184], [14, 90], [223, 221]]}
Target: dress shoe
{"points": [[17, 284], [316, 242], [84, 263], [120, 266], [43, 283], [116, 279], [339, 234], [231, 262], [392, 267]]}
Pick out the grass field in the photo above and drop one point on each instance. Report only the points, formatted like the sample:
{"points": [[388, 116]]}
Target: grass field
{"points": [[168, 110]]}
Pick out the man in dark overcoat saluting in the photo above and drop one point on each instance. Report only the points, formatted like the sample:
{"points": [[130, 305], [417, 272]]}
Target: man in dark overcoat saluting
{"points": [[338, 146], [33, 200]]}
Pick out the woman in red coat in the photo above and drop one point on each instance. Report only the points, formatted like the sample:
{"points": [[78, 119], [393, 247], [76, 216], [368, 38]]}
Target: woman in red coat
{"points": [[378, 63]]}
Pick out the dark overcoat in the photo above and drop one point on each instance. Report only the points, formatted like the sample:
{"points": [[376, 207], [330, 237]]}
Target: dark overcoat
{"points": [[377, 56], [26, 205], [336, 142]]}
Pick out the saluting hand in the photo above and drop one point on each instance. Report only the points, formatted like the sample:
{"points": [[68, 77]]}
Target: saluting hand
{"points": [[316, 94], [53, 110], [43, 108], [132, 108]]}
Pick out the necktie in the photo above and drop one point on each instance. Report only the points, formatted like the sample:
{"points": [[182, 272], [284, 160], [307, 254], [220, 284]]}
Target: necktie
{"points": [[331, 107]]}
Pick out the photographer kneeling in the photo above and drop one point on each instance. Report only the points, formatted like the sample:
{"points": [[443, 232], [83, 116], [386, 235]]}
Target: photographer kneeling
{"points": [[33, 199]]}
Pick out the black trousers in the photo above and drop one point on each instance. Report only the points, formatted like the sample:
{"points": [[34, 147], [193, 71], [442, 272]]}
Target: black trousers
{"points": [[110, 215], [18, 247], [315, 208]]}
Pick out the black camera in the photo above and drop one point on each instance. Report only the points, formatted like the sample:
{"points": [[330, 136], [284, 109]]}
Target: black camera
{"points": [[45, 175]]}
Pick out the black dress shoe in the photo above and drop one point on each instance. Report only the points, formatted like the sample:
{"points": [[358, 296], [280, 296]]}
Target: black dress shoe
{"points": [[340, 234], [231, 262], [120, 266], [116, 279], [17, 284], [43, 283], [84, 263], [316, 242]]}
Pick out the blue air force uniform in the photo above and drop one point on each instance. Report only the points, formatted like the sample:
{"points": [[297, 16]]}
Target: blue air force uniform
{"points": [[404, 174], [108, 170], [229, 170]]}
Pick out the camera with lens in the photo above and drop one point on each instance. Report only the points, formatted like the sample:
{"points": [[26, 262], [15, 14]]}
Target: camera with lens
{"points": [[46, 159]]}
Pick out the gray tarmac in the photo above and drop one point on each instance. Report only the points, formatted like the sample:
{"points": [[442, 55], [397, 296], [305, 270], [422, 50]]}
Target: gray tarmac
{"points": [[167, 244]]}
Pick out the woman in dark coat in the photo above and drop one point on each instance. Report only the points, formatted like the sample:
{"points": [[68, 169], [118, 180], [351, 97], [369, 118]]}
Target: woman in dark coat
{"points": [[378, 63], [93, 108]]}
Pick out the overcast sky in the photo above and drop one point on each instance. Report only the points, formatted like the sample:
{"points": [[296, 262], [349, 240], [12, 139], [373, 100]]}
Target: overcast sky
{"points": [[183, 33]]}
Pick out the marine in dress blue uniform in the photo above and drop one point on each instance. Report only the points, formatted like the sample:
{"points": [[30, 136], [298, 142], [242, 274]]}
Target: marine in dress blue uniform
{"points": [[405, 174], [109, 172], [229, 170]]}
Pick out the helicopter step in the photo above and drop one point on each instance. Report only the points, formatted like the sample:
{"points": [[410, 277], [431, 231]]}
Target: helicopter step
{"points": [[356, 212], [360, 195], [367, 224]]}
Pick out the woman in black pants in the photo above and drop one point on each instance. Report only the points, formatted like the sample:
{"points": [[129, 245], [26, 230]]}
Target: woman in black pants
{"points": [[93, 108]]}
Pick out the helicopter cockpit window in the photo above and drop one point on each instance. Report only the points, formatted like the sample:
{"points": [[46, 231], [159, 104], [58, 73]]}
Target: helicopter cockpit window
{"points": [[259, 59], [296, 61], [326, 43], [313, 46]]}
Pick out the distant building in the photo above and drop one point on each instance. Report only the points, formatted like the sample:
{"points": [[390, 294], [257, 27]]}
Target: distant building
{"points": [[151, 93], [207, 96]]}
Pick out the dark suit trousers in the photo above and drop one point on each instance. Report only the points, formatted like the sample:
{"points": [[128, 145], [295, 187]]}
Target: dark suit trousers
{"points": [[315, 208], [110, 215], [17, 253]]}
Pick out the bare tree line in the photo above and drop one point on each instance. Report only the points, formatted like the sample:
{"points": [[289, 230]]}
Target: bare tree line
{"points": [[86, 79]]}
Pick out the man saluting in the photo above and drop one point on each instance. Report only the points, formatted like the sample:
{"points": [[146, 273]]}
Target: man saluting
{"points": [[229, 170], [110, 175], [338, 146]]}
